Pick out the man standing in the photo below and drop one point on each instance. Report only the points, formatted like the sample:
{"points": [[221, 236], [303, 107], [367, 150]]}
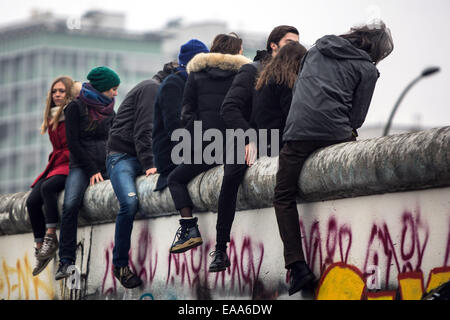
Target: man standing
{"points": [[236, 111], [129, 154]]}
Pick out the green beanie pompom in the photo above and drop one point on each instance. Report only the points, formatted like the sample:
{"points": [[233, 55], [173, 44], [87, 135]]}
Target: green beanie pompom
{"points": [[103, 78]]}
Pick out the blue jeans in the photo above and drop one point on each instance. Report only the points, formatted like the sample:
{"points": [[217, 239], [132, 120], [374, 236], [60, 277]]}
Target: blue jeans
{"points": [[123, 170], [76, 184]]}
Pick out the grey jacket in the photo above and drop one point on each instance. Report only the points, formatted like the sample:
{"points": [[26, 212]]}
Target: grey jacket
{"points": [[332, 93]]}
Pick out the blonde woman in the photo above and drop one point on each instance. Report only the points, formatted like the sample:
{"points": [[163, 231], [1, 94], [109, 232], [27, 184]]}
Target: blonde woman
{"points": [[51, 181]]}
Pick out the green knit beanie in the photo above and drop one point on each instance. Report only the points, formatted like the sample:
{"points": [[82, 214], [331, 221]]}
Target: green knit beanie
{"points": [[103, 78]]}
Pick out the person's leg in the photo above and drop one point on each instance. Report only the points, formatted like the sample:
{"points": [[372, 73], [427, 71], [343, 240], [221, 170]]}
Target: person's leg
{"points": [[75, 187], [123, 170], [34, 206], [290, 163], [188, 234], [49, 193], [233, 176]]}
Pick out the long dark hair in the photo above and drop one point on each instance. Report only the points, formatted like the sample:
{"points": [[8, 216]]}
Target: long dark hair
{"points": [[284, 67], [375, 39]]}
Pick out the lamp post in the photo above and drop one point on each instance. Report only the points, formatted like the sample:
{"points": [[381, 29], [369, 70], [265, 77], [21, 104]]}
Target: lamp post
{"points": [[425, 73]]}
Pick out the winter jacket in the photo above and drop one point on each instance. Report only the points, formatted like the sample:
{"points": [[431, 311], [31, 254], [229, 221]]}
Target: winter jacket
{"points": [[237, 106], [332, 93], [131, 131], [273, 102], [86, 139], [210, 77], [58, 160], [166, 119]]}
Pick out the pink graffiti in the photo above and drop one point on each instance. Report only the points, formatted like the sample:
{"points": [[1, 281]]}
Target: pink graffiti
{"points": [[191, 268], [143, 263], [414, 239], [338, 237]]}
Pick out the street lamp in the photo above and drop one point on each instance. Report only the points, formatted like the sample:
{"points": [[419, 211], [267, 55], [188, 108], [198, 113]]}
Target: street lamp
{"points": [[425, 73]]}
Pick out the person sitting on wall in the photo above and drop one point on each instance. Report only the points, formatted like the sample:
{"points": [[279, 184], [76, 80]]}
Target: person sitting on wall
{"points": [[129, 154], [167, 111], [330, 101]]}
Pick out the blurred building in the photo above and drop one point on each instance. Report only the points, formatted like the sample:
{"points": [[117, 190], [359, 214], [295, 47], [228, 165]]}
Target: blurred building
{"points": [[34, 52]]}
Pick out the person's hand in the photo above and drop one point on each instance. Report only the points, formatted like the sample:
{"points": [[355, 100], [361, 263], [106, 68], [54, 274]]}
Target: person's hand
{"points": [[96, 178], [150, 171], [250, 153]]}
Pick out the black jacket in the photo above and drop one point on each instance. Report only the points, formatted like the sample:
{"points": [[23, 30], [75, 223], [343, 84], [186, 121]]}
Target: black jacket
{"points": [[237, 106], [131, 131], [166, 119], [273, 102], [86, 140], [332, 93], [210, 77]]}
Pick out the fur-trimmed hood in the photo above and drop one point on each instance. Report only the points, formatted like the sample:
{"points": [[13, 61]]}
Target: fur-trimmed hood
{"points": [[225, 62]]}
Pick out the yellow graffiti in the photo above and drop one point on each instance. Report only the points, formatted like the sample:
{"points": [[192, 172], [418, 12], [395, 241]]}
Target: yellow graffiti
{"points": [[381, 297], [437, 277], [341, 282], [18, 280], [411, 285]]}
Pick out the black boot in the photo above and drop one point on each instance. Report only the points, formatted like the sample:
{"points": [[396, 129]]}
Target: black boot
{"points": [[220, 262], [188, 236], [301, 277]]}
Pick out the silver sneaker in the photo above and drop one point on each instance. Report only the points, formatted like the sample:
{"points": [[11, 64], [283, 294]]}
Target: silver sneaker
{"points": [[40, 263], [49, 247]]}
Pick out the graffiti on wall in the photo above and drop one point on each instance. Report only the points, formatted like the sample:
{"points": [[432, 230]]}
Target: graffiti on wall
{"points": [[17, 281], [340, 280]]}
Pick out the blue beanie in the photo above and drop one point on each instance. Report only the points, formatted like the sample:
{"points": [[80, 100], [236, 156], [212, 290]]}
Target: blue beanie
{"points": [[189, 50]]}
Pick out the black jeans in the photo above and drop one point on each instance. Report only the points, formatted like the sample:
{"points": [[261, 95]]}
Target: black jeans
{"points": [[290, 163], [45, 192], [179, 179], [232, 178]]}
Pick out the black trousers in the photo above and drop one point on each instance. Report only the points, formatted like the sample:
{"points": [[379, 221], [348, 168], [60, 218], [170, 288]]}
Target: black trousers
{"points": [[178, 180], [290, 163], [45, 192]]}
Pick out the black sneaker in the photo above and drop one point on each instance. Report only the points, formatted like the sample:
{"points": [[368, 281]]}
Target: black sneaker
{"points": [[63, 271], [220, 262], [188, 236], [40, 264], [301, 277], [127, 278]]}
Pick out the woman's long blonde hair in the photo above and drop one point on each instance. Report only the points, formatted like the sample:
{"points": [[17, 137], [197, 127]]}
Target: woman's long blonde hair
{"points": [[70, 95]]}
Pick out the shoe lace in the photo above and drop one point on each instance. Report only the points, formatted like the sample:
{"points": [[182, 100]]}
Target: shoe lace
{"points": [[46, 245], [179, 234], [215, 253], [126, 273]]}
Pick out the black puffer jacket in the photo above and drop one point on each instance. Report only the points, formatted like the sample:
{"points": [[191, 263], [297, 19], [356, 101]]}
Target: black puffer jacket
{"points": [[332, 93], [86, 139], [238, 104], [210, 77]]}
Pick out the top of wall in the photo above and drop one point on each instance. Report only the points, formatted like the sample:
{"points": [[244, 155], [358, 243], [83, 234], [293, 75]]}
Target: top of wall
{"points": [[404, 162]]}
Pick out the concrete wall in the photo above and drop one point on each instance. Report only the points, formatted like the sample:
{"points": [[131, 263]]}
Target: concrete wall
{"points": [[375, 215]]}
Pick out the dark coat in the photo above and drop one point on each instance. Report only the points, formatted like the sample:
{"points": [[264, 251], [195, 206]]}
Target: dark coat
{"points": [[237, 106], [273, 102], [332, 93], [131, 131], [210, 77], [86, 139], [166, 119], [58, 160]]}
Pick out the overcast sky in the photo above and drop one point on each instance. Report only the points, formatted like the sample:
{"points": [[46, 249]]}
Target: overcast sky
{"points": [[420, 28]]}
